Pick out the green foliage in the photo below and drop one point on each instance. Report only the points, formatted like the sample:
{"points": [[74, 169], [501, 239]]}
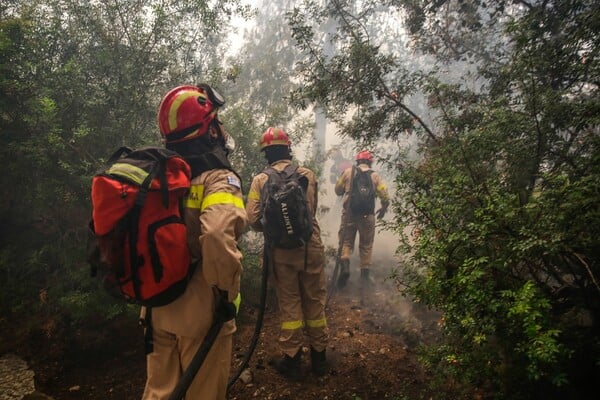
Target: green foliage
{"points": [[529, 311], [80, 305], [260, 89], [503, 198], [78, 80], [246, 158]]}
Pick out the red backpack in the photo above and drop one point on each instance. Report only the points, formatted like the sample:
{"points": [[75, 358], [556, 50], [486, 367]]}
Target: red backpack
{"points": [[136, 204]]}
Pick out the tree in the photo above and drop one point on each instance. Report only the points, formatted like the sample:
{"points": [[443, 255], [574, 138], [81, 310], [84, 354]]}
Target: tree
{"points": [[80, 79], [260, 81], [503, 202]]}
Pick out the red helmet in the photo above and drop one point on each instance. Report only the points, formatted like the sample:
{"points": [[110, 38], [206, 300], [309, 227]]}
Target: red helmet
{"points": [[186, 112], [274, 137], [364, 155]]}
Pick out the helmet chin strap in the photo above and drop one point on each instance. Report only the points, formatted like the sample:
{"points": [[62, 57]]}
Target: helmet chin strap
{"points": [[220, 137]]}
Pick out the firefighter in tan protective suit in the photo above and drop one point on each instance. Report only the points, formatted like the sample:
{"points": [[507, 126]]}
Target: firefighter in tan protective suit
{"points": [[363, 224], [215, 217], [298, 273]]}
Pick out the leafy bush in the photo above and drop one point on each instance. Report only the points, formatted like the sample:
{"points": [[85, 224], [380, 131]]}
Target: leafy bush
{"points": [[496, 119]]}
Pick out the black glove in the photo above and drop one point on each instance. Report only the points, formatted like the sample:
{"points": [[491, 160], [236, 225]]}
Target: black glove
{"points": [[224, 309], [380, 213]]}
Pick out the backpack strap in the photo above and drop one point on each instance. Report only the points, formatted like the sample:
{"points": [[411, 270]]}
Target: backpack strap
{"points": [[122, 151], [370, 172], [270, 171], [133, 218], [290, 170], [352, 173], [146, 322]]}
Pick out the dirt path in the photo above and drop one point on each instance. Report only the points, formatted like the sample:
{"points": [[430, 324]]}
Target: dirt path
{"points": [[372, 351]]}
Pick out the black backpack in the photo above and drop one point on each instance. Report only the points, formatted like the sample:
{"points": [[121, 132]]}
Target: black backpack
{"points": [[362, 193], [286, 219]]}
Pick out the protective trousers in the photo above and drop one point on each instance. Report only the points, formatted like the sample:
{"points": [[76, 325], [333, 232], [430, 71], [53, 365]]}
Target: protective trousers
{"points": [[301, 294], [364, 225], [165, 367]]}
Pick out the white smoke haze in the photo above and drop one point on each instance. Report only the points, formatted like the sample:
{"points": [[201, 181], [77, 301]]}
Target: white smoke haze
{"points": [[325, 139], [405, 318]]}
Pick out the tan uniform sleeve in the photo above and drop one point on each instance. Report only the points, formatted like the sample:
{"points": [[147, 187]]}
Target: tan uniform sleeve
{"points": [[253, 210], [381, 189], [312, 191], [216, 215], [343, 183]]}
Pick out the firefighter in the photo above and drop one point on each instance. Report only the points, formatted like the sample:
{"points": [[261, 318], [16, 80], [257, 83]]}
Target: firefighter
{"points": [[215, 217], [363, 224], [340, 163], [298, 273]]}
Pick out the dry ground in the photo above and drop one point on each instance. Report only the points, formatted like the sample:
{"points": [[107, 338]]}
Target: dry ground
{"points": [[372, 352]]}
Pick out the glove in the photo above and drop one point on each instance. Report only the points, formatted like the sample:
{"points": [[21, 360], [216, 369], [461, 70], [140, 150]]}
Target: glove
{"points": [[380, 213], [225, 309]]}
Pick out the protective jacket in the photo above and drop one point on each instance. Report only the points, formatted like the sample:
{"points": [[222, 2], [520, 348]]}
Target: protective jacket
{"points": [[301, 289], [215, 218], [364, 225]]}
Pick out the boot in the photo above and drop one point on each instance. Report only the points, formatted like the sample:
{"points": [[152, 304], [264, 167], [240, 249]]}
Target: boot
{"points": [[365, 277], [320, 366], [288, 366], [366, 286], [344, 273]]}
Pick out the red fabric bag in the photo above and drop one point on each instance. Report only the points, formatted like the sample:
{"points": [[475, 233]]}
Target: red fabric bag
{"points": [[136, 204]]}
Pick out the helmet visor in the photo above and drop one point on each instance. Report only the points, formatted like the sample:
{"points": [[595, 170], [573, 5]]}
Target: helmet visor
{"points": [[215, 97]]}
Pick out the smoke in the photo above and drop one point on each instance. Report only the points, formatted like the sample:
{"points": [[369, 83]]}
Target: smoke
{"points": [[386, 301], [329, 218]]}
